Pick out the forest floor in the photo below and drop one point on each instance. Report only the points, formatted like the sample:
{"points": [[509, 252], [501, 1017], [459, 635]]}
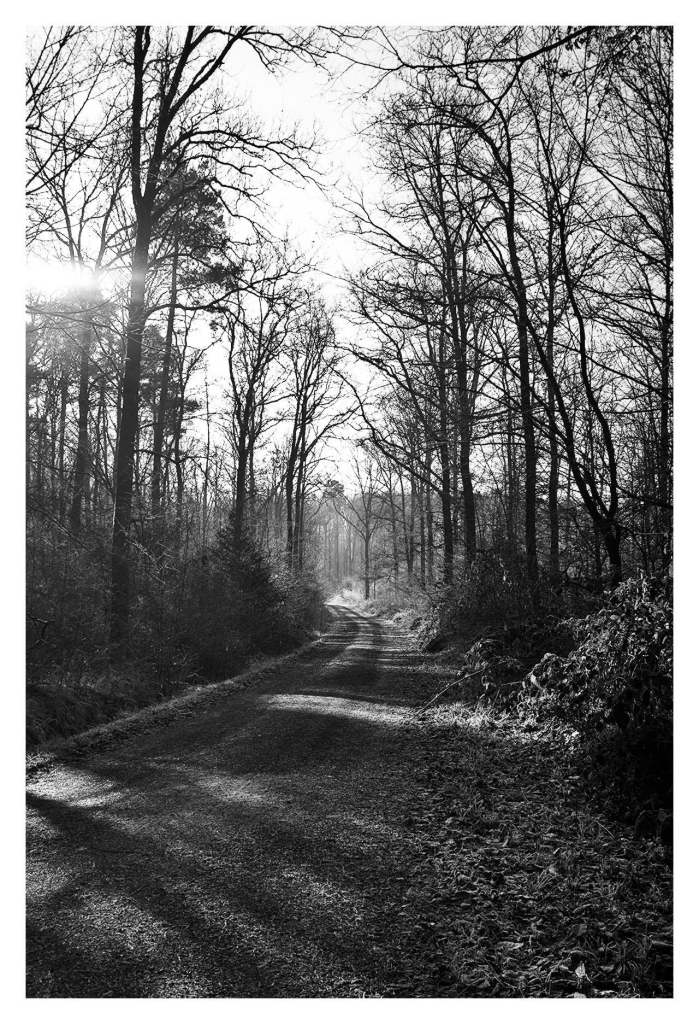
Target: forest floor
{"points": [[312, 836]]}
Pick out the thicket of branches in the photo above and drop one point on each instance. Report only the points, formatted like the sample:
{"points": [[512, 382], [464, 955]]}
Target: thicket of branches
{"points": [[520, 301], [515, 311], [167, 533], [513, 361]]}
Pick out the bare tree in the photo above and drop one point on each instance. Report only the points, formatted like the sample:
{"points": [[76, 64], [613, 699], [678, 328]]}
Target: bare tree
{"points": [[316, 412], [176, 120]]}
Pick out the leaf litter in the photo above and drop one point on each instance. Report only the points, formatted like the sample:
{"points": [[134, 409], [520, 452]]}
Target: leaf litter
{"points": [[531, 891], [507, 882]]}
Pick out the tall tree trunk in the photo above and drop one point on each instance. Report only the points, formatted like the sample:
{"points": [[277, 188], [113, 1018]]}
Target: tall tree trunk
{"points": [[298, 514], [205, 484], [430, 519], [411, 525], [103, 479], [179, 459], [61, 474], [554, 562], [612, 536], [252, 518], [447, 525], [554, 566], [394, 539], [554, 559], [665, 454], [240, 480], [337, 549], [367, 542], [469, 499], [124, 471], [597, 546], [289, 500], [529, 455], [157, 510], [511, 483], [465, 421], [423, 491], [445, 461], [525, 396], [81, 483]]}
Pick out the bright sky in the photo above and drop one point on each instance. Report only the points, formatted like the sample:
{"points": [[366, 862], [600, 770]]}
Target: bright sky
{"points": [[303, 95]]}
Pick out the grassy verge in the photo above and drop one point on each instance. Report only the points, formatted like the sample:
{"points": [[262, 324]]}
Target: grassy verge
{"points": [[127, 722]]}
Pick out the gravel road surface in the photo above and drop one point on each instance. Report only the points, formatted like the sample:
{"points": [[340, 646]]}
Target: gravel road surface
{"points": [[251, 848]]}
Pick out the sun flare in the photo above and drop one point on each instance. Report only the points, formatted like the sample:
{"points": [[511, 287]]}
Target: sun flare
{"points": [[51, 279]]}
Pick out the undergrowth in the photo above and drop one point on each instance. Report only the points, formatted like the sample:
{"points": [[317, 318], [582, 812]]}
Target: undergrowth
{"points": [[605, 680], [229, 609], [530, 890], [65, 706], [493, 593]]}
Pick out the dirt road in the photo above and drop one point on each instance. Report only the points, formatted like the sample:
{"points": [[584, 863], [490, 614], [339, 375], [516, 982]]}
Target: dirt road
{"points": [[255, 848]]}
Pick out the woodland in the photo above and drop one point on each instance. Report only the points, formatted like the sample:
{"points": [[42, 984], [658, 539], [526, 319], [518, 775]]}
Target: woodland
{"points": [[466, 428]]}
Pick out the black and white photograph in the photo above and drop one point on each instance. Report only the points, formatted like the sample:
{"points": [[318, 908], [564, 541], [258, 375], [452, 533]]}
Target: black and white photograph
{"points": [[349, 509]]}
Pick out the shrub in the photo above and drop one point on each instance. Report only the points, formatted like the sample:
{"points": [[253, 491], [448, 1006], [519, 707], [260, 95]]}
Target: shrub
{"points": [[190, 623], [493, 592], [304, 600], [613, 692], [240, 607]]}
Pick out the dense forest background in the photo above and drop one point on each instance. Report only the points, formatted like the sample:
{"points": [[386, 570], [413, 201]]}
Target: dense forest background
{"points": [[475, 424]]}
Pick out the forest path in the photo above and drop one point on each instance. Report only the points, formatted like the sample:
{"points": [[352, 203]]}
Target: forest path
{"points": [[256, 848]]}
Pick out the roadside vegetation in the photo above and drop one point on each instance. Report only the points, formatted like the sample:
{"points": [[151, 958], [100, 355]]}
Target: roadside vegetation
{"points": [[545, 756], [531, 888], [232, 610], [596, 669], [480, 430], [469, 439]]}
